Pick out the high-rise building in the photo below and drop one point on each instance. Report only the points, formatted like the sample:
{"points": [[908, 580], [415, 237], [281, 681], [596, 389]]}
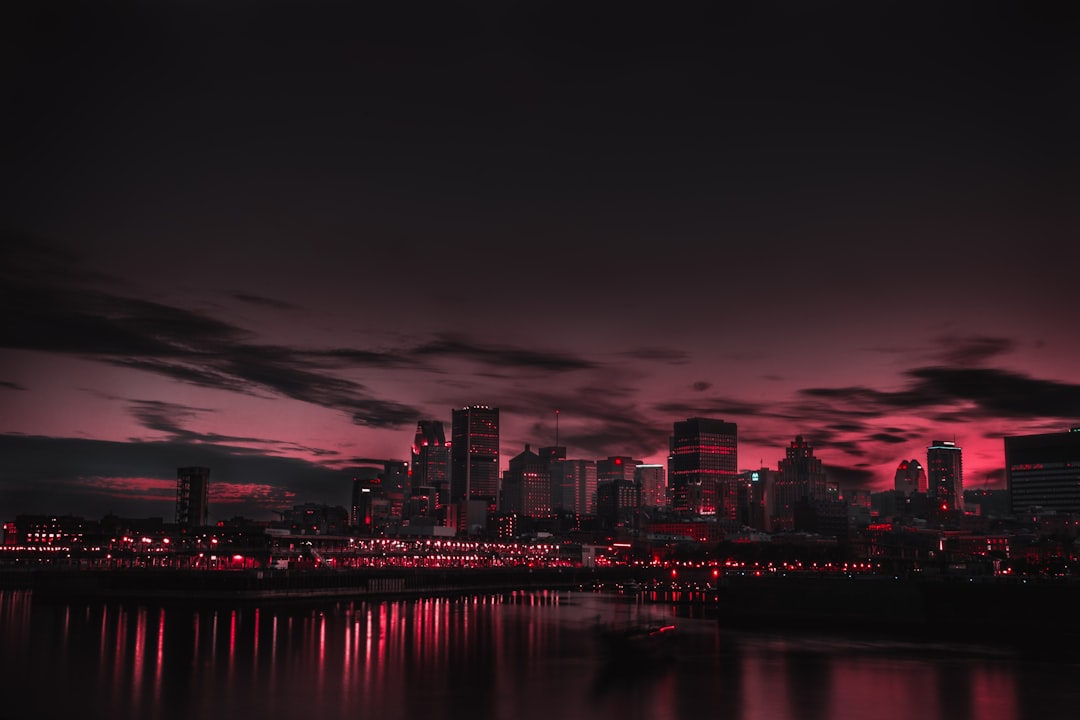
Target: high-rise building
{"points": [[574, 484], [944, 477], [756, 498], [800, 479], [618, 495], [551, 457], [474, 453], [192, 491], [703, 467], [653, 481], [910, 478], [474, 468], [431, 462], [616, 467], [527, 486], [1043, 471]]}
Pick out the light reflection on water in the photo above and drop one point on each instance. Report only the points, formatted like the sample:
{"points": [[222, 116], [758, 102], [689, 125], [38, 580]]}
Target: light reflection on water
{"points": [[528, 655]]}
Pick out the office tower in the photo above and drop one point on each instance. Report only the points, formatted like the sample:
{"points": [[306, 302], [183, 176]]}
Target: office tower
{"points": [[431, 462], [616, 467], [910, 478], [944, 477], [474, 468], [192, 487], [653, 482], [703, 467], [1043, 471], [800, 479], [618, 495], [474, 453], [396, 486], [527, 486], [574, 485], [756, 498], [366, 488], [552, 457]]}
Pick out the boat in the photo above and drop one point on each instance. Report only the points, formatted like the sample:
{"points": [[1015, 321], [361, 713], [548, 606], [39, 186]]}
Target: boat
{"points": [[636, 642]]}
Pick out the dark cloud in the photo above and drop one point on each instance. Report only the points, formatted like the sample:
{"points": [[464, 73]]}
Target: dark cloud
{"points": [[999, 392], [967, 351], [674, 357], [46, 474], [8, 385], [594, 420], [851, 477], [265, 301], [711, 407], [888, 438], [991, 393], [449, 346], [190, 347], [701, 386]]}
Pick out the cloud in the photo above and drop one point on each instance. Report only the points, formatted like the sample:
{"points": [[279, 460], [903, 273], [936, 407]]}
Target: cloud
{"points": [[7, 385], [978, 392], [963, 351], [851, 477], [1000, 392], [265, 301], [673, 357], [190, 347], [712, 407], [888, 438], [701, 386], [48, 474], [595, 420], [502, 356]]}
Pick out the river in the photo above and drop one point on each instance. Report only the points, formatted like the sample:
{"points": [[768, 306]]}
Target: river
{"points": [[521, 656]]}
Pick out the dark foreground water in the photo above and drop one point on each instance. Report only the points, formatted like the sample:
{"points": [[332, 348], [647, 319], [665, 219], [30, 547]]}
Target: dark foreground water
{"points": [[520, 656]]}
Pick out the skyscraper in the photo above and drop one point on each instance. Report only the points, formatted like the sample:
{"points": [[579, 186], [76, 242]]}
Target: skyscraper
{"points": [[944, 477], [653, 482], [431, 461], [1044, 471], [703, 467], [474, 454], [574, 481], [192, 491], [910, 478], [527, 486], [800, 479]]}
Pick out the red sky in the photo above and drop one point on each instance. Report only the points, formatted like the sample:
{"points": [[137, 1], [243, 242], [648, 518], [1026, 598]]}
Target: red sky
{"points": [[269, 239]]}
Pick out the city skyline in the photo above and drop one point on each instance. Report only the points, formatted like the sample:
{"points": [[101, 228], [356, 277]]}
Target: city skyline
{"points": [[269, 241]]}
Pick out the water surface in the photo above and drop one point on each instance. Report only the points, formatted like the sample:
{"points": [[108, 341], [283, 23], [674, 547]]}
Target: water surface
{"points": [[526, 656]]}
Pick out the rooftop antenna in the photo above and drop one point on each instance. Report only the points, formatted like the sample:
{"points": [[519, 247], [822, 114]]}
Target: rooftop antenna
{"points": [[556, 428]]}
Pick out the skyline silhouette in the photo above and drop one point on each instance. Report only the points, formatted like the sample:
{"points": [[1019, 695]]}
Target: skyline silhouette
{"points": [[268, 239]]}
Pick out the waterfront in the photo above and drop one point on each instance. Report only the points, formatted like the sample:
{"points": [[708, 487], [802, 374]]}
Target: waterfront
{"points": [[511, 655]]}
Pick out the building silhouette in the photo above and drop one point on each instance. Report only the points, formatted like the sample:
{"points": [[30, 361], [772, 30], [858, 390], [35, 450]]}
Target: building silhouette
{"points": [[526, 487], [653, 481], [944, 477], [431, 465], [574, 486], [703, 467], [910, 478], [192, 491], [474, 465], [800, 481], [1043, 471], [756, 498]]}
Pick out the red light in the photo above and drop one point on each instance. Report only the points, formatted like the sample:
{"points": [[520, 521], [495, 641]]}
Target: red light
{"points": [[618, 461]]}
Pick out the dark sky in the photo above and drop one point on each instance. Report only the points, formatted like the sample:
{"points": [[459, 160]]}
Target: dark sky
{"points": [[268, 236]]}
